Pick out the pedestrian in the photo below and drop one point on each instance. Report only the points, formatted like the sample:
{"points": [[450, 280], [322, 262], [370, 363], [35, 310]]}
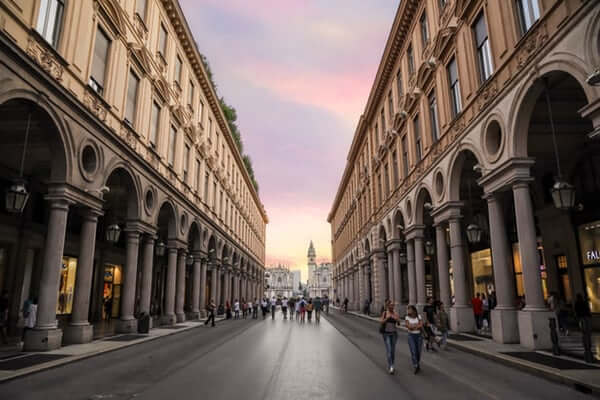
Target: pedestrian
{"points": [[582, 312], [273, 307], [30, 315], [298, 304], [346, 301], [108, 305], [429, 324], [337, 302], [442, 323], [292, 307], [236, 309], [367, 307], [414, 325], [302, 309], [255, 307], [211, 308], [485, 315], [326, 304], [228, 314], [477, 311], [317, 305], [247, 308], [264, 306], [284, 305], [389, 320], [4, 306], [309, 308]]}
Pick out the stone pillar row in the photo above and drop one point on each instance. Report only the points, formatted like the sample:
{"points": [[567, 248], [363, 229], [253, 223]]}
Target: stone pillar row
{"points": [[47, 336]]}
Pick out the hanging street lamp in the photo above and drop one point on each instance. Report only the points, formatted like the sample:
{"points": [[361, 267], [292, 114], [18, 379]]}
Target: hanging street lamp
{"points": [[113, 232], [189, 260], [16, 196], [563, 193], [474, 233], [429, 248], [160, 249]]}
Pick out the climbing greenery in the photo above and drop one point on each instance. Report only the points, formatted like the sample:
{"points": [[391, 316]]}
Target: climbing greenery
{"points": [[231, 116]]}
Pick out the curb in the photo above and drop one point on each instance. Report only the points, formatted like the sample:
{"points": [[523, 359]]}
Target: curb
{"points": [[72, 359], [547, 373]]}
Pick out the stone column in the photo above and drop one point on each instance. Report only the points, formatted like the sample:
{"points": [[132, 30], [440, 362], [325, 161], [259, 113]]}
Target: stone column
{"points": [[443, 265], [127, 322], [391, 273], [533, 319], [380, 284], [461, 314], [180, 291], [202, 288], [362, 292], [148, 264], [412, 283], [357, 302], [196, 282], [420, 272], [79, 329], [504, 315], [45, 335], [397, 275], [227, 286], [168, 317], [213, 284]]}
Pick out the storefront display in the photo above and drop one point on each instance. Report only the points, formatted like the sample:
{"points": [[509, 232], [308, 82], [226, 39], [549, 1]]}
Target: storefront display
{"points": [[483, 278], [589, 245], [66, 285], [112, 291], [519, 270]]}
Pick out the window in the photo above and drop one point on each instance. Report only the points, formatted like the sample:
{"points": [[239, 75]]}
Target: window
{"points": [[379, 189], [424, 30], [155, 123], [172, 142], [162, 41], [140, 8], [454, 87], [132, 92], [220, 204], [382, 122], [386, 177], [210, 128], [99, 61], [433, 116], [411, 60], [49, 21], [214, 203], [395, 169], [442, 4], [198, 175], [529, 13], [399, 88], [484, 54], [201, 111], [376, 134], [418, 144], [206, 179], [191, 94], [186, 161], [178, 64], [390, 106]]}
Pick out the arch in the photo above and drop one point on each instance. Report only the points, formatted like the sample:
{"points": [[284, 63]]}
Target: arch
{"points": [[456, 168], [397, 222], [194, 237], [527, 95], [131, 186], [382, 236], [62, 149], [423, 196], [367, 247], [166, 220], [212, 248]]}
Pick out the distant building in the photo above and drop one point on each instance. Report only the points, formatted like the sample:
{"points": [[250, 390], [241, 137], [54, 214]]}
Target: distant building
{"points": [[280, 281], [319, 276], [296, 276]]}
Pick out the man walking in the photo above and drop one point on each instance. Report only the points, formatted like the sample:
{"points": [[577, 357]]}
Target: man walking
{"points": [[317, 305], [477, 310], [326, 304], [284, 304], [211, 307], [273, 307]]}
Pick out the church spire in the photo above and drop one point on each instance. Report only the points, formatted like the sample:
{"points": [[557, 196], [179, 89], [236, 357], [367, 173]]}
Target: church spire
{"points": [[311, 250]]}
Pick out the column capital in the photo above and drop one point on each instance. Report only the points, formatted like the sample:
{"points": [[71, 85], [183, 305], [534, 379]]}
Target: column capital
{"points": [[395, 245], [414, 232], [446, 211], [91, 214], [505, 175], [58, 202]]}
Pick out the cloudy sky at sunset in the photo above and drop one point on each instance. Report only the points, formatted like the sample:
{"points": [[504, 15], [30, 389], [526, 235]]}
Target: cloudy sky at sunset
{"points": [[298, 73]]}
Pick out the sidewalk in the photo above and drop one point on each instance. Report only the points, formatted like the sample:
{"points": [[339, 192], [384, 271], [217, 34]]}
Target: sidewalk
{"points": [[567, 370], [17, 364]]}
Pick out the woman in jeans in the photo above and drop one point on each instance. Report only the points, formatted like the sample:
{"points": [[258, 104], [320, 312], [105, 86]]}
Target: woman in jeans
{"points": [[414, 324], [388, 320]]}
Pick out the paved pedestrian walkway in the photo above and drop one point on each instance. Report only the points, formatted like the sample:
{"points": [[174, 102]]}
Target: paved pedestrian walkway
{"points": [[15, 364], [564, 369]]}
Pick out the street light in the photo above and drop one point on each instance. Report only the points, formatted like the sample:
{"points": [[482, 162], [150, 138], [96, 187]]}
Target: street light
{"points": [[189, 260], [113, 232], [160, 249], [17, 195], [474, 233], [429, 249]]}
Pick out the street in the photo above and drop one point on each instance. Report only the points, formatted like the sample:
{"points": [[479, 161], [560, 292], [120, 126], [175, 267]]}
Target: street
{"points": [[340, 358]]}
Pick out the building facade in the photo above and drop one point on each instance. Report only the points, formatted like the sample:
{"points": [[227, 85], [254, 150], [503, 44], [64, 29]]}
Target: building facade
{"points": [[280, 282], [138, 199], [472, 169], [319, 276]]}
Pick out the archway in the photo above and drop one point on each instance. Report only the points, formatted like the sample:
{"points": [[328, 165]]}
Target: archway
{"points": [[401, 283], [163, 291], [426, 276]]}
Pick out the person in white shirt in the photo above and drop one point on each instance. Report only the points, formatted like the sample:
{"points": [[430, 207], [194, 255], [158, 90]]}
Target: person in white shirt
{"points": [[236, 309], [414, 324], [273, 307]]}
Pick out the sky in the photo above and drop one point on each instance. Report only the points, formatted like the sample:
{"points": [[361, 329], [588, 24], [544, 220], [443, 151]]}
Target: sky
{"points": [[298, 72]]}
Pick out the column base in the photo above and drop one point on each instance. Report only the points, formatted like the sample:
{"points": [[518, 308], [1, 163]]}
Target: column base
{"points": [[203, 314], [462, 319], [534, 331], [168, 319], [193, 316], [505, 326], [180, 317], [376, 308], [126, 325], [42, 339], [78, 334]]}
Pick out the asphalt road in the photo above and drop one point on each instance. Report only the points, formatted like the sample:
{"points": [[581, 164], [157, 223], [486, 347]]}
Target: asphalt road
{"points": [[340, 358]]}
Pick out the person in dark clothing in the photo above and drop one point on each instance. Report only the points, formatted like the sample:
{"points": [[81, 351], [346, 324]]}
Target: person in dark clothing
{"points": [[582, 311], [346, 301], [211, 308]]}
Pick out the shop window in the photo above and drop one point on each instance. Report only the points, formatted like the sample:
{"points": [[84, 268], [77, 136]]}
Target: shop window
{"points": [[66, 285], [483, 278], [592, 283], [518, 268], [563, 276], [112, 291], [589, 243]]}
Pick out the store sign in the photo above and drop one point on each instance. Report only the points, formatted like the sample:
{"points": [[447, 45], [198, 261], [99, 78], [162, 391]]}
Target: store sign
{"points": [[589, 242]]}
